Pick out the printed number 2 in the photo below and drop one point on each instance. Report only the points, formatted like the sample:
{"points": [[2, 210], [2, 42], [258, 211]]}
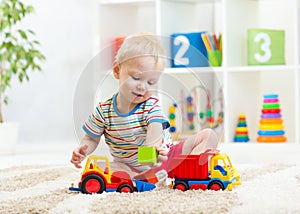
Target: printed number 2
{"points": [[184, 46], [265, 47]]}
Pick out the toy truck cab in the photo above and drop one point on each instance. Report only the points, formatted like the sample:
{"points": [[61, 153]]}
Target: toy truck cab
{"points": [[223, 173], [96, 180]]}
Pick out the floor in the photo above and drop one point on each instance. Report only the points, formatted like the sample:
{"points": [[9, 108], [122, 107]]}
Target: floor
{"points": [[262, 168]]}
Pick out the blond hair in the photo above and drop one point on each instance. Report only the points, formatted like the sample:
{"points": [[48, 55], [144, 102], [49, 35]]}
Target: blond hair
{"points": [[140, 45]]}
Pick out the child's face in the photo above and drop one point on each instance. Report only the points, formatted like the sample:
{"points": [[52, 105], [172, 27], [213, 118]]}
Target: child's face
{"points": [[138, 78]]}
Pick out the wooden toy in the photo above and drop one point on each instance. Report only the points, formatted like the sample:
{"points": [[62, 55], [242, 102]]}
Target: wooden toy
{"points": [[266, 47], [172, 118], [207, 117], [188, 50], [190, 112]]}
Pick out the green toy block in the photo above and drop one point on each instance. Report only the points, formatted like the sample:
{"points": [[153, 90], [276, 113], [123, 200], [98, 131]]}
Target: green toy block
{"points": [[147, 155]]}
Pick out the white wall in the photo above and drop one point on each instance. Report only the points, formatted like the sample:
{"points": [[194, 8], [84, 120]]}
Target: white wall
{"points": [[44, 106]]}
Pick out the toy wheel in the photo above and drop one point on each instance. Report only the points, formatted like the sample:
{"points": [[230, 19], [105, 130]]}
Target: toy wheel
{"points": [[92, 184], [216, 185], [181, 185], [125, 188]]}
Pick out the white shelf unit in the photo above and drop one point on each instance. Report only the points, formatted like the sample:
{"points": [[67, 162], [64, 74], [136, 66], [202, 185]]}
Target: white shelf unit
{"points": [[243, 86]]}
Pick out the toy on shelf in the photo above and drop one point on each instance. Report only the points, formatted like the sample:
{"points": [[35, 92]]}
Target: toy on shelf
{"points": [[188, 50], [266, 46], [209, 170], [213, 45], [190, 107], [271, 129], [241, 131], [172, 117], [207, 118], [190, 112], [118, 41], [96, 180]]}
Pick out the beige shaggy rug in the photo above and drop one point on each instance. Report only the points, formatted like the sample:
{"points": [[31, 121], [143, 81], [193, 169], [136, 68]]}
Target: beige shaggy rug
{"points": [[272, 188]]}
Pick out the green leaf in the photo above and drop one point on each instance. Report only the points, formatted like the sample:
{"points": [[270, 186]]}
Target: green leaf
{"points": [[36, 42], [30, 9], [21, 76], [5, 100], [30, 31], [14, 68], [23, 34], [7, 34], [38, 67]]}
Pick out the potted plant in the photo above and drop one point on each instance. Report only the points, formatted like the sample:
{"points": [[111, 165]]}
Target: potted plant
{"points": [[18, 56]]}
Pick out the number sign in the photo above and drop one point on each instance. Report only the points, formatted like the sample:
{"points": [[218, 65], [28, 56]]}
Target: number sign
{"points": [[265, 47], [188, 50]]}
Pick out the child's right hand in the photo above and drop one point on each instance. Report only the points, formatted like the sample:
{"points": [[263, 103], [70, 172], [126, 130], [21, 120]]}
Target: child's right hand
{"points": [[162, 154], [78, 155]]}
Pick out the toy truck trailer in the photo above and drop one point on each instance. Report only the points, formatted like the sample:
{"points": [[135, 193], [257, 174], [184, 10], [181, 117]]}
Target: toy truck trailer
{"points": [[210, 170]]}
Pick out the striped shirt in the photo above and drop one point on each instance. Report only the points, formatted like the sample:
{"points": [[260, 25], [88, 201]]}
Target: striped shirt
{"points": [[125, 132]]}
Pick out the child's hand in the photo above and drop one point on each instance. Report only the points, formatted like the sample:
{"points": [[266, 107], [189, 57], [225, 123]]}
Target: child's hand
{"points": [[162, 154], [78, 155]]}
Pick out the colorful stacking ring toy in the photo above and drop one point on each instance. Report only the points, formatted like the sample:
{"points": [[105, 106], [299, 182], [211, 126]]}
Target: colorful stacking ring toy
{"points": [[271, 125]]}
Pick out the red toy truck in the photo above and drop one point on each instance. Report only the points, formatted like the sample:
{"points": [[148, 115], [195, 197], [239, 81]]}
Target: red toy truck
{"points": [[210, 170]]}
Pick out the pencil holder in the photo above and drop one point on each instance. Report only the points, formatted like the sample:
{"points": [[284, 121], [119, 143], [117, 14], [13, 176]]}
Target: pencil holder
{"points": [[214, 58]]}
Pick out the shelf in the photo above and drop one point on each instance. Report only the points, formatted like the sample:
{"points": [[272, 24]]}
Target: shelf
{"points": [[193, 1], [261, 68], [122, 2], [193, 69], [114, 2], [241, 69]]}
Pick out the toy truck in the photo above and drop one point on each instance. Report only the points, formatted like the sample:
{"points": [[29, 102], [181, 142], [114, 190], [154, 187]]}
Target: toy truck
{"points": [[210, 170], [96, 180]]}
